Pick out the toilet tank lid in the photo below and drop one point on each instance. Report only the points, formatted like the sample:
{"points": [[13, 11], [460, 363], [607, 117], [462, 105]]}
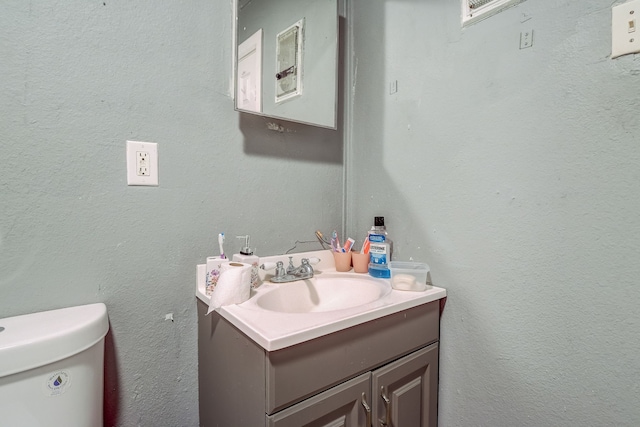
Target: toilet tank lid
{"points": [[32, 340]]}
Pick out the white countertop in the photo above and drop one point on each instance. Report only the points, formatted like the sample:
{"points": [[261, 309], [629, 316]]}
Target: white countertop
{"points": [[276, 330]]}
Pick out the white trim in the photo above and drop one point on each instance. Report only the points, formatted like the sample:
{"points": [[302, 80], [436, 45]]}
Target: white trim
{"points": [[472, 16], [234, 39]]}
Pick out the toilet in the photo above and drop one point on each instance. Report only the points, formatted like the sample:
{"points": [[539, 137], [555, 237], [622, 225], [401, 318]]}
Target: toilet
{"points": [[52, 367]]}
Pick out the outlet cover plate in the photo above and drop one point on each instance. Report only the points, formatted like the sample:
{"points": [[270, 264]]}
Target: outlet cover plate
{"points": [[149, 151], [526, 39]]}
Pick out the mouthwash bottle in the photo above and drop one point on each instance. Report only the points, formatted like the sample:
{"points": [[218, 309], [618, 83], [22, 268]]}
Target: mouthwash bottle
{"points": [[380, 250]]}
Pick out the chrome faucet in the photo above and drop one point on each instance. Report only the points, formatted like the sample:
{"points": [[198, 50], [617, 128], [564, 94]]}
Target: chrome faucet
{"points": [[292, 273]]}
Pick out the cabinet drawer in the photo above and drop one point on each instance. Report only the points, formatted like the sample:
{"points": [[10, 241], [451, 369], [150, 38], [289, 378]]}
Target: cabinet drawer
{"points": [[297, 372], [339, 406]]}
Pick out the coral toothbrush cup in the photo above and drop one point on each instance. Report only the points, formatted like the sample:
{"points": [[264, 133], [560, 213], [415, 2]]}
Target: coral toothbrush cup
{"points": [[360, 262], [342, 260]]}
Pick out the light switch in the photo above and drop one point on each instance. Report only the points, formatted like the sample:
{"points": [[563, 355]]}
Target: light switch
{"points": [[624, 22]]}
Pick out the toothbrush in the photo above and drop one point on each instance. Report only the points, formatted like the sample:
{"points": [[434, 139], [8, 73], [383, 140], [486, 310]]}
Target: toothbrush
{"points": [[335, 243], [348, 245], [366, 245], [220, 242]]}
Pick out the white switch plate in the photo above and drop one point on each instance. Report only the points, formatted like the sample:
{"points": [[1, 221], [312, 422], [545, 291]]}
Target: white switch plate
{"points": [[142, 163], [625, 35]]}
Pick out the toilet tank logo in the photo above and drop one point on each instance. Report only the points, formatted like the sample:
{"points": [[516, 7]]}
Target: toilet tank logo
{"points": [[57, 383]]}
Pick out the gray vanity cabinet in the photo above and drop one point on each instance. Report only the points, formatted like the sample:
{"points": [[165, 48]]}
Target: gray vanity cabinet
{"points": [[407, 390], [321, 382], [404, 395]]}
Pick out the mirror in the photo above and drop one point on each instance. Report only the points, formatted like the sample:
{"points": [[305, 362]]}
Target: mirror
{"points": [[287, 60]]}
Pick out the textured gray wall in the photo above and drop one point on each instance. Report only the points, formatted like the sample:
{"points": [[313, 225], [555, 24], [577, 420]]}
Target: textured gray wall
{"points": [[79, 78], [514, 174]]}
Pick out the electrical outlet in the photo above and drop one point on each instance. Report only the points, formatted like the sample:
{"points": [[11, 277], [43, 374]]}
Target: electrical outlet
{"points": [[625, 36], [526, 39], [142, 163]]}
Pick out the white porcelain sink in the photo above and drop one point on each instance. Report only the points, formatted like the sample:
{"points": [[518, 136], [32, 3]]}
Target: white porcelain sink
{"points": [[280, 315], [324, 292]]}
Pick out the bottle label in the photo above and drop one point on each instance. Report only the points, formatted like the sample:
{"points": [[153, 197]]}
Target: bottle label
{"points": [[379, 252], [377, 238]]}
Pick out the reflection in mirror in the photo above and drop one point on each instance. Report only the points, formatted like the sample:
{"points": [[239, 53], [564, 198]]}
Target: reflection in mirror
{"points": [[287, 60], [289, 45], [249, 79]]}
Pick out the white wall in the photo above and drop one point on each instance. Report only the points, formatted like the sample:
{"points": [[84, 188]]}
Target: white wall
{"points": [[79, 78], [514, 174]]}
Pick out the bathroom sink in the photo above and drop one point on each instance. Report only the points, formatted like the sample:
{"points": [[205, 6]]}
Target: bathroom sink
{"points": [[322, 293], [279, 315]]}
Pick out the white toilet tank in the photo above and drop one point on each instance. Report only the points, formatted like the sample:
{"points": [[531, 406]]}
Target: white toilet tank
{"points": [[52, 367]]}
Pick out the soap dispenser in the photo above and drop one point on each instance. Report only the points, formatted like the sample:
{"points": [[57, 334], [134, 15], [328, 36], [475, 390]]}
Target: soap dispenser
{"points": [[246, 256]]}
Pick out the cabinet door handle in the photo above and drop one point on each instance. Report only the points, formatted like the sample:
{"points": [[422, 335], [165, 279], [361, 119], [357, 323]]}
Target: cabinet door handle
{"points": [[367, 409], [387, 403]]}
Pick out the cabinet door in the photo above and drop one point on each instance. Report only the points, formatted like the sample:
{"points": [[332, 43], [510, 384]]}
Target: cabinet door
{"points": [[340, 406], [406, 391]]}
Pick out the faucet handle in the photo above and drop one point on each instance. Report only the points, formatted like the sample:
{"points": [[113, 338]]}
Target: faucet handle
{"points": [[279, 266], [268, 266], [290, 267]]}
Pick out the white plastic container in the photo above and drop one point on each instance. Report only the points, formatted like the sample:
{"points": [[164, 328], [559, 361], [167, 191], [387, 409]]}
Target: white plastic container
{"points": [[409, 276], [52, 367]]}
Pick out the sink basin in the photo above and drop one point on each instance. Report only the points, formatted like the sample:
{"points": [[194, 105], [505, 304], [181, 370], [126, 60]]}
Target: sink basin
{"points": [[279, 315], [323, 293]]}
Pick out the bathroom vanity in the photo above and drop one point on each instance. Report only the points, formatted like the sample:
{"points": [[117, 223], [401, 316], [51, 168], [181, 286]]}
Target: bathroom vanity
{"points": [[375, 364]]}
